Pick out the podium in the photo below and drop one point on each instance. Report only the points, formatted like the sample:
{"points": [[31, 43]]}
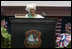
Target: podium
{"points": [[46, 26]]}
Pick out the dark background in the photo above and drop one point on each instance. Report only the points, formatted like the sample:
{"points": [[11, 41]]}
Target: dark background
{"points": [[65, 20]]}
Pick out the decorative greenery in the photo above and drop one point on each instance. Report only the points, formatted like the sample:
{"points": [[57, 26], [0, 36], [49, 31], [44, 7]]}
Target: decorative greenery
{"points": [[6, 41], [5, 37]]}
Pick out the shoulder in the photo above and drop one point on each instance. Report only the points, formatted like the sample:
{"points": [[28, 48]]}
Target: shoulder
{"points": [[26, 15], [39, 16]]}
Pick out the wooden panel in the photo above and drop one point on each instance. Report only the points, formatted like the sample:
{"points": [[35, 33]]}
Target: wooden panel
{"points": [[50, 11]]}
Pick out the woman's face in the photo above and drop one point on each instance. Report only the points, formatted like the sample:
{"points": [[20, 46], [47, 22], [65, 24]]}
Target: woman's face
{"points": [[32, 11]]}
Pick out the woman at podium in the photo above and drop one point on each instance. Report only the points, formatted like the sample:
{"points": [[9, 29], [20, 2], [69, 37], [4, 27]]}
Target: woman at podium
{"points": [[31, 8]]}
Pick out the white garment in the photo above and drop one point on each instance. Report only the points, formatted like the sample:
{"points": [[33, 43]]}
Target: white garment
{"points": [[36, 16]]}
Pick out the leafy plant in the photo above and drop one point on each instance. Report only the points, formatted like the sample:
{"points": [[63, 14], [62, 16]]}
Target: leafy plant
{"points": [[5, 38]]}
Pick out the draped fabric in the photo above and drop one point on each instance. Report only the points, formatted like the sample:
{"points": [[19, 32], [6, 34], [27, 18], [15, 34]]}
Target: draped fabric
{"points": [[58, 26]]}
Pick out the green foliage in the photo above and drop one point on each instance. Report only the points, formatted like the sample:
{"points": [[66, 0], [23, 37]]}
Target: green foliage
{"points": [[5, 39]]}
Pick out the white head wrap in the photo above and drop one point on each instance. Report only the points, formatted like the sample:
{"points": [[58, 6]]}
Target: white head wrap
{"points": [[29, 6]]}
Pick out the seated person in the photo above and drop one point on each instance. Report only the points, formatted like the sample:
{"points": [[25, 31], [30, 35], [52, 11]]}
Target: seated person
{"points": [[31, 8]]}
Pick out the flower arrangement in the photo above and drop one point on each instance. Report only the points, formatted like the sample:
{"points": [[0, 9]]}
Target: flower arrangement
{"points": [[66, 38], [68, 30], [5, 36]]}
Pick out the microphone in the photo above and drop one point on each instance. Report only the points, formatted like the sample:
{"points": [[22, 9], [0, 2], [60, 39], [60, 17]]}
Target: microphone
{"points": [[44, 14]]}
